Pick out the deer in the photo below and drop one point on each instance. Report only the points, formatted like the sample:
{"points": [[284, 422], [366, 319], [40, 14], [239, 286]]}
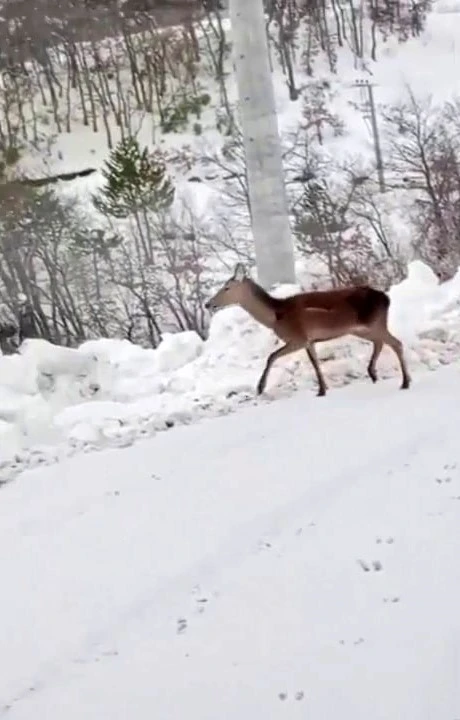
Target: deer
{"points": [[305, 319], [8, 338]]}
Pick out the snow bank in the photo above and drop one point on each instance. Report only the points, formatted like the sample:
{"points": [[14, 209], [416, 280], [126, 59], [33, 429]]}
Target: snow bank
{"points": [[55, 401]]}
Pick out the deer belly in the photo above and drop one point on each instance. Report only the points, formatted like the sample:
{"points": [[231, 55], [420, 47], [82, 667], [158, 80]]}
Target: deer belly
{"points": [[319, 334]]}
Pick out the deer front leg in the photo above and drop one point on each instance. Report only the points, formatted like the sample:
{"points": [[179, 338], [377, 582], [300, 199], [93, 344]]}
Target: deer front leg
{"points": [[311, 352], [287, 349]]}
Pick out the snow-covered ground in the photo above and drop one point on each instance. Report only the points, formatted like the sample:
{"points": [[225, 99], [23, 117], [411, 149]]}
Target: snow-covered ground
{"points": [[298, 560], [56, 401]]}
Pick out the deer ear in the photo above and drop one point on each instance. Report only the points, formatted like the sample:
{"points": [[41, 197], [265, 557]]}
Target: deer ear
{"points": [[239, 272]]}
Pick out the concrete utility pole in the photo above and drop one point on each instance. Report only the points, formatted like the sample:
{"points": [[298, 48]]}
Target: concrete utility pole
{"points": [[267, 193]]}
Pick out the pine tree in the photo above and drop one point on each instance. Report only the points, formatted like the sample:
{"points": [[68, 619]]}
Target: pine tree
{"points": [[134, 180]]}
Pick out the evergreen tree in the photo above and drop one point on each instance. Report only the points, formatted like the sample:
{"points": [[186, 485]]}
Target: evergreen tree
{"points": [[135, 180]]}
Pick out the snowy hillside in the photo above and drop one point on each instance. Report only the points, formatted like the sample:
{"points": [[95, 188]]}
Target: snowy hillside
{"points": [[427, 65], [115, 274], [289, 561], [68, 114]]}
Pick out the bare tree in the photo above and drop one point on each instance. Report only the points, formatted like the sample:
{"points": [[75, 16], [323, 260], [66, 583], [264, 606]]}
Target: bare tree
{"points": [[341, 227], [425, 150]]}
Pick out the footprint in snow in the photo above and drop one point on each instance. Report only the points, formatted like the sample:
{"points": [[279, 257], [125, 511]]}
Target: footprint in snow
{"points": [[264, 545], [446, 476], [359, 641], [181, 626], [201, 599], [442, 480], [201, 604], [375, 565], [299, 695]]}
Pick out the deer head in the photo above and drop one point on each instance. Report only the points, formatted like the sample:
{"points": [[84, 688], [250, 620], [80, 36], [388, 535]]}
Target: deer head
{"points": [[232, 291], [7, 331], [8, 339]]}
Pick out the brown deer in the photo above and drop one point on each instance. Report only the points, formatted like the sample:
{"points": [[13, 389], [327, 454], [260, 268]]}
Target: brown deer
{"points": [[8, 339], [305, 319]]}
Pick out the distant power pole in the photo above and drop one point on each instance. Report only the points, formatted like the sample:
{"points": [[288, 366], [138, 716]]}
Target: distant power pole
{"points": [[267, 193], [375, 130]]}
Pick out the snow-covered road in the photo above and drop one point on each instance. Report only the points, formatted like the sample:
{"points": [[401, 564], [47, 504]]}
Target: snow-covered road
{"points": [[293, 560]]}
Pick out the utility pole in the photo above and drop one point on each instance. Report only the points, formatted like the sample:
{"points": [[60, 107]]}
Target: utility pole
{"points": [[267, 193], [375, 130]]}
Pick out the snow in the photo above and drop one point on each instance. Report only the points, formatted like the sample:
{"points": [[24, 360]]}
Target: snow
{"points": [[56, 401], [292, 560]]}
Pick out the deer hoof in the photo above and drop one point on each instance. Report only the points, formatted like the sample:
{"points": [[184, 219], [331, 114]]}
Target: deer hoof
{"points": [[321, 392], [405, 385], [260, 389]]}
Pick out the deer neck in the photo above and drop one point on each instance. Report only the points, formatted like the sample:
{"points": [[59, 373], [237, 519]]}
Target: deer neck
{"points": [[260, 305]]}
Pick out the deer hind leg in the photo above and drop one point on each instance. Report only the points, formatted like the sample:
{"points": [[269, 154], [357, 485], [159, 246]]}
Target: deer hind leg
{"points": [[287, 349], [397, 347], [378, 344], [311, 352], [371, 368]]}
